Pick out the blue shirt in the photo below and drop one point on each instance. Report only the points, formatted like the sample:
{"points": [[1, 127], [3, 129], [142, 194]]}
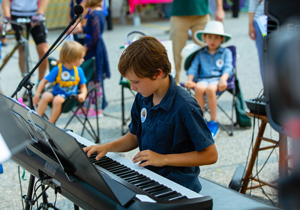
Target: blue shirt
{"points": [[173, 126], [205, 65], [66, 75]]}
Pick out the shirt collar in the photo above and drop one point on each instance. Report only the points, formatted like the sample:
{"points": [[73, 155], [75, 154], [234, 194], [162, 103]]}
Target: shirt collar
{"points": [[167, 101], [219, 50]]}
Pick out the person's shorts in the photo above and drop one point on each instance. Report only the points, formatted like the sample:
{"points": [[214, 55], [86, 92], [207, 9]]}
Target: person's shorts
{"points": [[38, 32], [208, 81]]}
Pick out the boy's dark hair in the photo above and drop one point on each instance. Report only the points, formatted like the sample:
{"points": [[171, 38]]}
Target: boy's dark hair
{"points": [[144, 57]]}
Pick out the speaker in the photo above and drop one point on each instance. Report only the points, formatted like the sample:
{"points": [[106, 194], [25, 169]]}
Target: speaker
{"points": [[281, 63]]}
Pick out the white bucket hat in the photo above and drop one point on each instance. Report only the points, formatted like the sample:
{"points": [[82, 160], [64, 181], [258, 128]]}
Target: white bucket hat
{"points": [[212, 27]]}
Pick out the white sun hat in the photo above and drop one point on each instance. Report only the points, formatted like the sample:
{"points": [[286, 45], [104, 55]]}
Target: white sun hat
{"points": [[212, 27]]}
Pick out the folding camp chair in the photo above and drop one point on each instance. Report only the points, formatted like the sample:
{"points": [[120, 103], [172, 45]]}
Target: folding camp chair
{"points": [[188, 54], [72, 104]]}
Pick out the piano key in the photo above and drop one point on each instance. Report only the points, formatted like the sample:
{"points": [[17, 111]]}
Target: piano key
{"points": [[166, 194], [161, 192], [179, 197], [139, 180], [154, 187], [139, 184], [170, 196], [156, 177]]}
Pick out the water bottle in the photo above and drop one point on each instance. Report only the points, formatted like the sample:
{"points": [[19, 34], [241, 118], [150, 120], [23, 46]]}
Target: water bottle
{"points": [[0, 49], [1, 168]]}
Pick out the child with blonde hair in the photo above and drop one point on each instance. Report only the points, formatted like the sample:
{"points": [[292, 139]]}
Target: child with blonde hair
{"points": [[67, 77]]}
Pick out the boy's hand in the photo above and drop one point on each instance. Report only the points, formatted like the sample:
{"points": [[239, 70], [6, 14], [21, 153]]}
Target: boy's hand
{"points": [[35, 99], [101, 150], [190, 84], [81, 97], [149, 158], [222, 85]]}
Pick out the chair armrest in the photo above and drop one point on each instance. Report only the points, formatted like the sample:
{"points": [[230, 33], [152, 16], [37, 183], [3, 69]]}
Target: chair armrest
{"points": [[73, 96]]}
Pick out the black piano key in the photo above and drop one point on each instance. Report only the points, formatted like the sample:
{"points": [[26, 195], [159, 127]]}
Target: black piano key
{"points": [[115, 168], [179, 197], [118, 169], [146, 185], [127, 174], [162, 192], [133, 178], [140, 180], [108, 164], [167, 195], [120, 172], [153, 187], [170, 196], [141, 183]]}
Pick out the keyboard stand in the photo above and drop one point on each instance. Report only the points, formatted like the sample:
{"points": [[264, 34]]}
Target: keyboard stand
{"points": [[283, 163]]}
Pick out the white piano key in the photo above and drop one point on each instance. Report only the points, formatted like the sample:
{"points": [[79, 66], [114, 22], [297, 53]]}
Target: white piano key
{"points": [[154, 176]]}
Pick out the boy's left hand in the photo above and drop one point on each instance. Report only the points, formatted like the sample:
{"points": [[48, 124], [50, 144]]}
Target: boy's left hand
{"points": [[222, 85], [81, 97], [149, 158]]}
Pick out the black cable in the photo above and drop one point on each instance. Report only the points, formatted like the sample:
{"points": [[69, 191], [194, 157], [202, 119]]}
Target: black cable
{"points": [[21, 187]]}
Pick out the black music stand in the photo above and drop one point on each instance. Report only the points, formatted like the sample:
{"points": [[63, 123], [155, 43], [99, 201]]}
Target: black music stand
{"points": [[59, 149]]}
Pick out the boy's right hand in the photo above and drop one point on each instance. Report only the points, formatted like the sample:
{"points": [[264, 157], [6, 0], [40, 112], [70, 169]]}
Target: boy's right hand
{"points": [[35, 99], [190, 84], [100, 150]]}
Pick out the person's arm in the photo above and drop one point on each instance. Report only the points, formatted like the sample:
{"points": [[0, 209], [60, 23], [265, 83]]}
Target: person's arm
{"points": [[125, 143], [39, 89], [251, 26], [83, 93], [42, 7], [223, 82], [220, 14], [6, 8], [195, 158], [227, 70], [193, 71]]}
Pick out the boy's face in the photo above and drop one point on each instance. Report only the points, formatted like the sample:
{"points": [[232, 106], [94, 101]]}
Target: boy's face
{"points": [[213, 41], [144, 86]]}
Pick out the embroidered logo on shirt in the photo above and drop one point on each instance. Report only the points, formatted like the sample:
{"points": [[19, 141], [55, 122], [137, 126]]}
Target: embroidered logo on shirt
{"points": [[220, 63], [143, 114]]}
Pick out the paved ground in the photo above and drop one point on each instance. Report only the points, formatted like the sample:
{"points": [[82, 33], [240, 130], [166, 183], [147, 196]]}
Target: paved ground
{"points": [[233, 150]]}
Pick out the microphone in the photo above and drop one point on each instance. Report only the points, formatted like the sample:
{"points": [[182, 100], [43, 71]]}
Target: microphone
{"points": [[78, 10]]}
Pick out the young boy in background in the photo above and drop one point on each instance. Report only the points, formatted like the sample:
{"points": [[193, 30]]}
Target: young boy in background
{"points": [[210, 70]]}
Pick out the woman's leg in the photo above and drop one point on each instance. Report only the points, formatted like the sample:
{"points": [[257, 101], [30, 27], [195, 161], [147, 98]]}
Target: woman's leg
{"points": [[56, 108], [212, 101], [46, 98]]}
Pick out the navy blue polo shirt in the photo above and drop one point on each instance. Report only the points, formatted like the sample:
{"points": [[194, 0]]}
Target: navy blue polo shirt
{"points": [[173, 126]]}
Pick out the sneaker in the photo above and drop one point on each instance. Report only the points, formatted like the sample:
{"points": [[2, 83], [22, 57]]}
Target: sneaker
{"points": [[214, 128], [91, 113]]}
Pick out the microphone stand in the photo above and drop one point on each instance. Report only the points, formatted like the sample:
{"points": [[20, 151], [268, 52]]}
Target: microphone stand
{"points": [[25, 82]]}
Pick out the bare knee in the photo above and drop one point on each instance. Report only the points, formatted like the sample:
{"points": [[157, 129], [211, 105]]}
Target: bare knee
{"points": [[47, 97], [58, 101], [200, 88], [211, 90]]}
